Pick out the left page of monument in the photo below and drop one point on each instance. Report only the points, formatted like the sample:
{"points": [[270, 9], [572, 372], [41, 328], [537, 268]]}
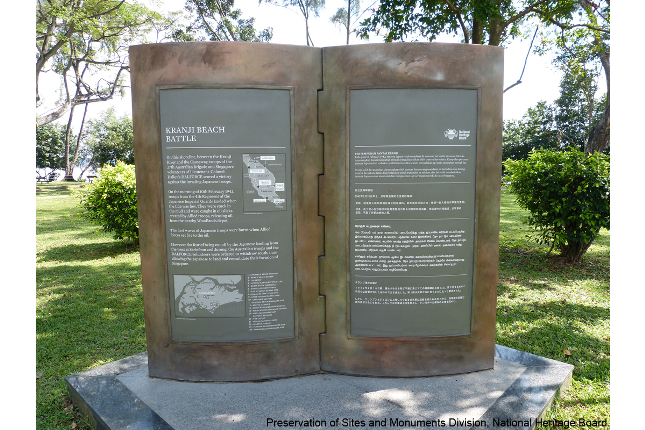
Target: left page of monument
{"points": [[228, 157]]}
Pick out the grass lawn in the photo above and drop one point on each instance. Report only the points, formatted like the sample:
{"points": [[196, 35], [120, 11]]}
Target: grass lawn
{"points": [[89, 306], [556, 310]]}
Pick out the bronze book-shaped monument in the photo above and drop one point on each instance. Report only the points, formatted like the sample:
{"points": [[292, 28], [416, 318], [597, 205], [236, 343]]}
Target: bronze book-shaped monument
{"points": [[305, 209]]}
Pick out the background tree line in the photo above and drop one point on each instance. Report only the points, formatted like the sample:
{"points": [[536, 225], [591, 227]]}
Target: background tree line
{"points": [[564, 124], [103, 141]]}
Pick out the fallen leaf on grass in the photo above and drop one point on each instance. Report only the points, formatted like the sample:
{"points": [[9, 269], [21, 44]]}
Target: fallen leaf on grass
{"points": [[567, 352], [74, 425], [38, 375]]}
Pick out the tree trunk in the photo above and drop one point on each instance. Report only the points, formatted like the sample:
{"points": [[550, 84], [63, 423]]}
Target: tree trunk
{"points": [[86, 168], [309, 41], [495, 32], [349, 18], [478, 31], [573, 252], [78, 145], [599, 136], [68, 132]]}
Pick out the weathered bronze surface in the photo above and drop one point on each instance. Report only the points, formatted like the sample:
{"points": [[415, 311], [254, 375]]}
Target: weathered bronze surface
{"points": [[229, 65], [320, 196], [409, 65]]}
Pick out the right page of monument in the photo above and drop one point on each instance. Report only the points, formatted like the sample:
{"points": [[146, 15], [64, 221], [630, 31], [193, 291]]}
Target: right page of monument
{"points": [[410, 198], [412, 160]]}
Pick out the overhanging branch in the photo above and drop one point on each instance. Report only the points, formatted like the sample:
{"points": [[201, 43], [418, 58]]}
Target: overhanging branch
{"points": [[565, 26], [460, 19], [519, 81]]}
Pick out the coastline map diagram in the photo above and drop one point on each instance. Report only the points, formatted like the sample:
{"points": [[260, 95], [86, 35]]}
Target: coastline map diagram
{"points": [[264, 182], [209, 295]]}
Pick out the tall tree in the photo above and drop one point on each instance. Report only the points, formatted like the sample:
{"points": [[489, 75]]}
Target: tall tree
{"points": [[307, 9], [220, 21], [564, 124], [577, 110], [85, 43], [583, 47], [110, 140], [50, 147], [346, 16], [536, 129]]}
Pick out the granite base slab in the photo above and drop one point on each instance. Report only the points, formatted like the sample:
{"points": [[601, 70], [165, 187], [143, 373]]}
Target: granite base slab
{"points": [[520, 389]]}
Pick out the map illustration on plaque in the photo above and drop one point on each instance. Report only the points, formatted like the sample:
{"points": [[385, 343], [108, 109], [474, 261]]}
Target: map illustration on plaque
{"points": [[210, 296], [264, 182]]}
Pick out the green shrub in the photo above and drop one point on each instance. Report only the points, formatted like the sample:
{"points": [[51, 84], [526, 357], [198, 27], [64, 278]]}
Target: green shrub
{"points": [[567, 195], [111, 201]]}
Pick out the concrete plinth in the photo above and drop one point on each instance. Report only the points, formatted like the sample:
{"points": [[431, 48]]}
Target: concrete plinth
{"points": [[515, 393]]}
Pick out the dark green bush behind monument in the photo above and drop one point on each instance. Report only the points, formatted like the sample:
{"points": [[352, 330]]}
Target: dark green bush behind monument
{"points": [[111, 201], [567, 195]]}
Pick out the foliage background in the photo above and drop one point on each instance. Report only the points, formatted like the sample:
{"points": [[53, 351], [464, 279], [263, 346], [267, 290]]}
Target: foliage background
{"points": [[566, 194], [111, 201]]}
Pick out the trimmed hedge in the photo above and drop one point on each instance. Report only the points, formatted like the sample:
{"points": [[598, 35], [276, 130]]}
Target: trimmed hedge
{"points": [[111, 201], [567, 195]]}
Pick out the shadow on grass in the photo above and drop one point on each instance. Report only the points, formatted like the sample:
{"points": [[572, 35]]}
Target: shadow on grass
{"points": [[505, 288], [558, 308], [540, 286], [68, 278], [80, 326], [88, 251], [60, 224], [550, 328], [530, 264], [584, 401], [57, 189], [89, 315]]}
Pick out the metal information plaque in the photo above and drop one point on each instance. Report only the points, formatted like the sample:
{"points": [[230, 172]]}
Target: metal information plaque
{"points": [[412, 156], [226, 162]]}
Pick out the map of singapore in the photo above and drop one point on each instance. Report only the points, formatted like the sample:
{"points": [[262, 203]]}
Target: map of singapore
{"points": [[264, 182], [209, 296]]}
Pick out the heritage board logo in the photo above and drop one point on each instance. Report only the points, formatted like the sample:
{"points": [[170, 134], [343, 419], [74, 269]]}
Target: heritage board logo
{"points": [[451, 133]]}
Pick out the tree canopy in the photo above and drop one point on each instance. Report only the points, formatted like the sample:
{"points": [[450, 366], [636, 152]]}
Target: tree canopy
{"points": [[346, 16], [577, 30], [220, 21], [85, 43], [50, 146], [564, 124], [110, 140], [489, 22], [535, 130], [307, 8]]}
